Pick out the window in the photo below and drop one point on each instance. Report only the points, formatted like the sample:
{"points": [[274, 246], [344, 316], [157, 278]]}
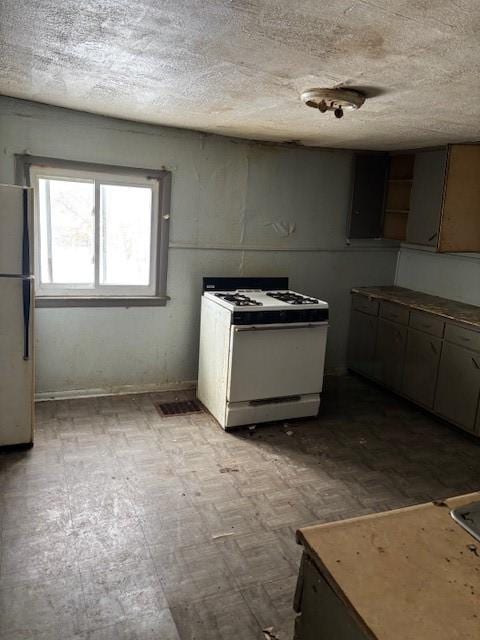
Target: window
{"points": [[100, 233]]}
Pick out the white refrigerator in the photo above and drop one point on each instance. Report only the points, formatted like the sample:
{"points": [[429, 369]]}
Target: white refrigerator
{"points": [[16, 316]]}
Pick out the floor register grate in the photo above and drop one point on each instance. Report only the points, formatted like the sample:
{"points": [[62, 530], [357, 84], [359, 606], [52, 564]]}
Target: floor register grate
{"points": [[180, 408]]}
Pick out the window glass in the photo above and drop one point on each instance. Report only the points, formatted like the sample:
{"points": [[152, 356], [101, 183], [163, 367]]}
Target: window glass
{"points": [[125, 234], [99, 233], [67, 225]]}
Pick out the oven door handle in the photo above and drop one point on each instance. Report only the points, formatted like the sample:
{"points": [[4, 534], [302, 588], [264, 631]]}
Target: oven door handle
{"points": [[281, 327]]}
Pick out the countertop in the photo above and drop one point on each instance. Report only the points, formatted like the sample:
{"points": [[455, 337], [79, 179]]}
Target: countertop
{"points": [[408, 573], [467, 314]]}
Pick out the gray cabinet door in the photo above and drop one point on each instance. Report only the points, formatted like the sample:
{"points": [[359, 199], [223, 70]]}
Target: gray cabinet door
{"points": [[323, 615], [361, 347], [422, 357], [368, 195], [390, 353], [458, 386], [426, 198]]}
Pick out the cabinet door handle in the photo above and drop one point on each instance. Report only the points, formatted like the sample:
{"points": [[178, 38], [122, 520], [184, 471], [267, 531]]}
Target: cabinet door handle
{"points": [[432, 237], [477, 366]]}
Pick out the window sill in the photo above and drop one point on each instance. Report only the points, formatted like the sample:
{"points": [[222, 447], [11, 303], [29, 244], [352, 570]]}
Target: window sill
{"points": [[99, 301]]}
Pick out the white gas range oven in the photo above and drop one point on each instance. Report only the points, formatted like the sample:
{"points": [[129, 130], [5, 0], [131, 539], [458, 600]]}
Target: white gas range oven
{"points": [[262, 351]]}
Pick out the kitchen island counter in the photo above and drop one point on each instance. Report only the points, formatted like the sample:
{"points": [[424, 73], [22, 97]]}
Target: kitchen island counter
{"points": [[399, 575]]}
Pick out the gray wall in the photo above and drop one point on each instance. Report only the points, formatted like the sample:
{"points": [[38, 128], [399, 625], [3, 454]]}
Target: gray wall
{"points": [[455, 276], [238, 208]]}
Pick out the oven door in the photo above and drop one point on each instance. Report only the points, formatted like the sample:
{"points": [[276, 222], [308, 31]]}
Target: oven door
{"points": [[275, 361]]}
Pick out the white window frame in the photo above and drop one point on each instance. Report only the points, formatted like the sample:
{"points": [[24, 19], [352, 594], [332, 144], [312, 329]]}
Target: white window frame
{"points": [[56, 294]]}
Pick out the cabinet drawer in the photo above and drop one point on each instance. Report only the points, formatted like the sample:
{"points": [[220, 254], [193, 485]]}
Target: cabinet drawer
{"points": [[367, 305], [464, 337], [394, 312], [427, 322]]}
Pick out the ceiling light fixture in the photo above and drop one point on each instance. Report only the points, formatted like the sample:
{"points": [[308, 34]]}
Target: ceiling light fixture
{"points": [[336, 100]]}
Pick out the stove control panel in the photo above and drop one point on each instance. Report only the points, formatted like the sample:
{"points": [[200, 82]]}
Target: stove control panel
{"points": [[284, 316]]}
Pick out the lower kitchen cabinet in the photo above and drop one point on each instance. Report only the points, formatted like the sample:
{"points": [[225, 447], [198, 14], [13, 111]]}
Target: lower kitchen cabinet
{"points": [[422, 356], [323, 615], [390, 353], [458, 386], [430, 357], [361, 348]]}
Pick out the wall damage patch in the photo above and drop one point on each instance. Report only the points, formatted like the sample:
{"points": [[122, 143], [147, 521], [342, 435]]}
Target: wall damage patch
{"points": [[282, 227]]}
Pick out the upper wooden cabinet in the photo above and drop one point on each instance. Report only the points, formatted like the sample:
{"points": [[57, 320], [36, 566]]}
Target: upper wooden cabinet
{"points": [[460, 218], [365, 220], [445, 199], [431, 198], [426, 200], [381, 195]]}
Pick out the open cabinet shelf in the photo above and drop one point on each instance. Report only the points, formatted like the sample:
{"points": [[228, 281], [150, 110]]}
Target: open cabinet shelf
{"points": [[397, 198]]}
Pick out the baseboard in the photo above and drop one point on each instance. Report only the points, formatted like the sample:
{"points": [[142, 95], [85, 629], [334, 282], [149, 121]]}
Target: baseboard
{"points": [[115, 390], [126, 389]]}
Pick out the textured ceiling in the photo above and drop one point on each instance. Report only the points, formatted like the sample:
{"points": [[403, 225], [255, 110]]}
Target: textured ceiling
{"points": [[237, 67]]}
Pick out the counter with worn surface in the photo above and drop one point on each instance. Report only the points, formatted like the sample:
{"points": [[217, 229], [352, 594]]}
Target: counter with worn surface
{"points": [[403, 574], [457, 311]]}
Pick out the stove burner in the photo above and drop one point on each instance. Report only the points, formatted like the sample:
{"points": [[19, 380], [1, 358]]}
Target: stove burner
{"points": [[238, 299], [291, 298]]}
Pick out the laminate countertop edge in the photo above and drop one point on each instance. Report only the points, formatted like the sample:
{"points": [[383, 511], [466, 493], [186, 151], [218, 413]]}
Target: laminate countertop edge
{"points": [[459, 312]]}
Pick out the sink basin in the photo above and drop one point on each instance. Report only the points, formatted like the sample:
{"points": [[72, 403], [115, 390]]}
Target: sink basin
{"points": [[468, 517]]}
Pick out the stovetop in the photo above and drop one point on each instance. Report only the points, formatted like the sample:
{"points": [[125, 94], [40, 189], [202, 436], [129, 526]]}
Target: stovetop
{"points": [[238, 299], [290, 297], [267, 300]]}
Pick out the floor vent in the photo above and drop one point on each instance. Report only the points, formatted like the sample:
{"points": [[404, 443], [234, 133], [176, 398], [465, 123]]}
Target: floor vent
{"points": [[180, 408]]}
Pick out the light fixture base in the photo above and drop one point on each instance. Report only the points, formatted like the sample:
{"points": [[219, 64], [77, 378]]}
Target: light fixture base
{"points": [[337, 100]]}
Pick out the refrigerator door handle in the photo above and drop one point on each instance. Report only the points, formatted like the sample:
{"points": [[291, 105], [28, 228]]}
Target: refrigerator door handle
{"points": [[27, 301], [26, 284], [26, 237]]}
